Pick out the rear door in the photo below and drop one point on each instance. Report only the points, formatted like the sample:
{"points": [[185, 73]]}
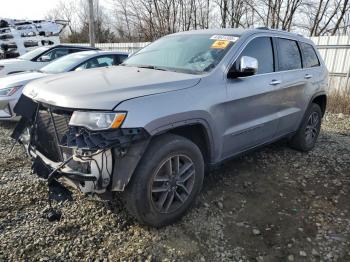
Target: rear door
{"points": [[290, 93], [313, 72], [251, 112]]}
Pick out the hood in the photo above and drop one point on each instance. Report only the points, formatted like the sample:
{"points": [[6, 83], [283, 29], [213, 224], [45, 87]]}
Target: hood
{"points": [[12, 65], [11, 61], [19, 79], [105, 88]]}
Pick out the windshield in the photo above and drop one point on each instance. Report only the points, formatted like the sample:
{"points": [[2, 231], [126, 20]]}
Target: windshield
{"points": [[64, 64], [34, 53], [192, 54]]}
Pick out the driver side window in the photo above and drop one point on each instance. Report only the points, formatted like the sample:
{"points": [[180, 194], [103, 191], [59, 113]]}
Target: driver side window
{"points": [[261, 49], [95, 62]]}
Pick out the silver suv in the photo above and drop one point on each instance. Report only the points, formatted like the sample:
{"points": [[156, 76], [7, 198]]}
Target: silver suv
{"points": [[173, 110]]}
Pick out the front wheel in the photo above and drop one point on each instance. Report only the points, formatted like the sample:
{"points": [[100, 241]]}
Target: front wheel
{"points": [[166, 181], [306, 136]]}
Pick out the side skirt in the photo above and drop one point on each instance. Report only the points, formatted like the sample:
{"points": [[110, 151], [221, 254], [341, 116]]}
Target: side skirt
{"points": [[214, 166]]}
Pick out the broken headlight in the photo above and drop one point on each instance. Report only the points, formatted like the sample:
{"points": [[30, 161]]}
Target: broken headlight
{"points": [[97, 120], [9, 91]]}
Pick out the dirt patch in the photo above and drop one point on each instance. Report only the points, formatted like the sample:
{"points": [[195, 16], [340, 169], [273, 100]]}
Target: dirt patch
{"points": [[275, 204]]}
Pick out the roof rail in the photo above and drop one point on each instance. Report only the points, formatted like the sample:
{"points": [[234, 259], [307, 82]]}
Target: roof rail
{"points": [[276, 29], [262, 28]]}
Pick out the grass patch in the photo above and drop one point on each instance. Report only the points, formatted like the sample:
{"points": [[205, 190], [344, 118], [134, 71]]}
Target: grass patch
{"points": [[338, 102]]}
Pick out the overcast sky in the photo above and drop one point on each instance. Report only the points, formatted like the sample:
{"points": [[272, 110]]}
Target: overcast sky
{"points": [[29, 9]]}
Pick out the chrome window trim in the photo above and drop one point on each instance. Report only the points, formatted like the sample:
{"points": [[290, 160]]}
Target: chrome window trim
{"points": [[272, 35]]}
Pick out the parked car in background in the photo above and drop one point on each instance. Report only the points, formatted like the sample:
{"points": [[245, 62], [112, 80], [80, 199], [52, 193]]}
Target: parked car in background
{"points": [[184, 103], [38, 58], [20, 36], [11, 86]]}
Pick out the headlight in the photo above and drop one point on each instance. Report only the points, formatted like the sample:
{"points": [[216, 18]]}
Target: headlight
{"points": [[9, 91], [97, 120], [2, 67]]}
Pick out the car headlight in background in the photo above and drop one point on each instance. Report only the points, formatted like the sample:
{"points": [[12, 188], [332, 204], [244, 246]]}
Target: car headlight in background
{"points": [[9, 91], [97, 120]]}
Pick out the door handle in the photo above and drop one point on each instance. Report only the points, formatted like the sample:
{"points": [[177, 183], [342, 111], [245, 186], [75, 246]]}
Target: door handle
{"points": [[308, 76], [275, 82]]}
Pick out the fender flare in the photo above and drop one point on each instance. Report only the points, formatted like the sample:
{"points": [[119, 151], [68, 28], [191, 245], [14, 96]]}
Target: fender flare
{"points": [[188, 122]]}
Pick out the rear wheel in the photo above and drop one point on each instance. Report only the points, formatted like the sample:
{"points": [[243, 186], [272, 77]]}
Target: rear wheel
{"points": [[307, 134], [166, 181]]}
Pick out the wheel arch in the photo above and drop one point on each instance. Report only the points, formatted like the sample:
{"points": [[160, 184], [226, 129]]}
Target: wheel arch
{"points": [[189, 128], [194, 130], [321, 100], [196, 133]]}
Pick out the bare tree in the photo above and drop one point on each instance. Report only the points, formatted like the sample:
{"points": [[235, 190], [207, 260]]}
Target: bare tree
{"points": [[325, 16], [66, 10], [147, 20]]}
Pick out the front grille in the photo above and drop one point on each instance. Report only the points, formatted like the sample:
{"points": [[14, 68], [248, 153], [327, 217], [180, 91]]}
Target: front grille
{"points": [[46, 139]]}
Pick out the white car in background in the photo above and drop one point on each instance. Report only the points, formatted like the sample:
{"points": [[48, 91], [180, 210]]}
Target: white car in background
{"points": [[38, 58], [11, 86]]}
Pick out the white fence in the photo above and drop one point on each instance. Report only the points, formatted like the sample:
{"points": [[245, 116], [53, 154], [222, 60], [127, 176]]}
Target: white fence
{"points": [[335, 51], [124, 47]]}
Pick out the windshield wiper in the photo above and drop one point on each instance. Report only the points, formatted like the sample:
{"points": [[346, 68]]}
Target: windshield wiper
{"points": [[151, 67], [171, 69]]}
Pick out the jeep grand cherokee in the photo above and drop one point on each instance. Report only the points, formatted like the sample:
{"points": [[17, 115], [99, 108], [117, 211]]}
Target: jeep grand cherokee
{"points": [[184, 103]]}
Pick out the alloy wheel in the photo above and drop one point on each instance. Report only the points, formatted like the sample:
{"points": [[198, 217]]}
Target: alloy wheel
{"points": [[312, 126], [172, 183]]}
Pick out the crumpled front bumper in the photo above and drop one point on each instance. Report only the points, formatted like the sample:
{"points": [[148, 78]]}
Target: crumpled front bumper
{"points": [[44, 167], [117, 151]]}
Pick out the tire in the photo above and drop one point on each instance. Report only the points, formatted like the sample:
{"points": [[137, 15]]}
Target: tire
{"points": [[152, 188], [305, 138]]}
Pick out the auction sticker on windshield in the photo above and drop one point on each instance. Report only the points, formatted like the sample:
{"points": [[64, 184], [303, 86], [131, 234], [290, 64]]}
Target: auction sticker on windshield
{"points": [[225, 37], [220, 44]]}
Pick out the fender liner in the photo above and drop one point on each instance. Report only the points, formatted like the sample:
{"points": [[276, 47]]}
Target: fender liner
{"points": [[321, 93]]}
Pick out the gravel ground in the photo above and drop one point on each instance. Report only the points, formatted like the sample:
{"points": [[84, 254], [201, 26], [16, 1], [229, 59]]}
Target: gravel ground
{"points": [[275, 204]]}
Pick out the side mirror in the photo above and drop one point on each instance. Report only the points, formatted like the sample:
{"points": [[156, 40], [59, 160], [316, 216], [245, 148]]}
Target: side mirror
{"points": [[248, 66], [45, 58]]}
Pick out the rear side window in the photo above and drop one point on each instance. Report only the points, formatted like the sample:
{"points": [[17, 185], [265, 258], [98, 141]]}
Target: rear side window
{"points": [[261, 49], [310, 58], [104, 61], [288, 55]]}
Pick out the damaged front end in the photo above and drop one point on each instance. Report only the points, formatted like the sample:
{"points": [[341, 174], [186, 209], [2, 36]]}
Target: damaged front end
{"points": [[91, 161]]}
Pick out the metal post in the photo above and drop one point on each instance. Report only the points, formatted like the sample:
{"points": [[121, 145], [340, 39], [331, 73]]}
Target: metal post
{"points": [[347, 88], [91, 23]]}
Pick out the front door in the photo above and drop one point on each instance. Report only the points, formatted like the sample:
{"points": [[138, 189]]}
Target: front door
{"points": [[252, 108]]}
